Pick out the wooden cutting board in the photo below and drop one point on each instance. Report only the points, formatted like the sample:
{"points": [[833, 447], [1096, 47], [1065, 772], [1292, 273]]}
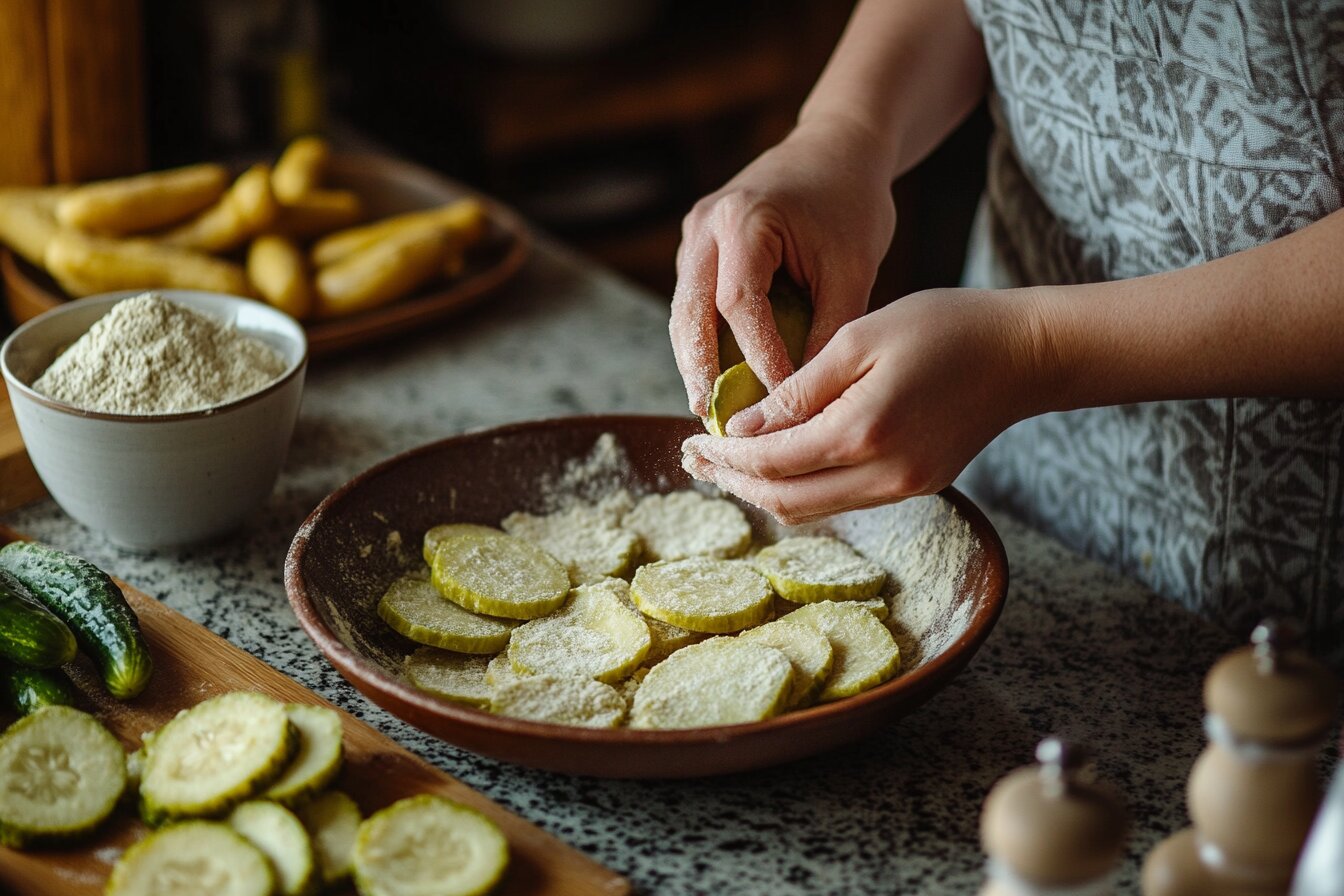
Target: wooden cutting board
{"points": [[19, 484], [191, 664]]}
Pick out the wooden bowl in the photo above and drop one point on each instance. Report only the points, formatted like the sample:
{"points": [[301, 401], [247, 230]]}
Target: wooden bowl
{"points": [[388, 186], [940, 551]]}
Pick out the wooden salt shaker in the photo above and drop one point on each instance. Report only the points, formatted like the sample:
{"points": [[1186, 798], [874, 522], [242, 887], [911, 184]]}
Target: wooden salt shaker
{"points": [[1254, 791], [1051, 828]]}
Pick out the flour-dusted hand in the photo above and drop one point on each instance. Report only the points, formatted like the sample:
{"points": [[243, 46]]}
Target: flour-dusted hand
{"points": [[895, 405], [819, 206]]}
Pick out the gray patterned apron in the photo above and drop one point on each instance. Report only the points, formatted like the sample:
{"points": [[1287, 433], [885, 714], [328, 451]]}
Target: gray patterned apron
{"points": [[1136, 137]]}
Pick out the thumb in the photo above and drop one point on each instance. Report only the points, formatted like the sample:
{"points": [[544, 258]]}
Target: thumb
{"points": [[805, 394]]}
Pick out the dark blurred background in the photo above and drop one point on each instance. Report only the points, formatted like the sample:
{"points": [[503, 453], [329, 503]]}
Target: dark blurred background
{"points": [[601, 120]]}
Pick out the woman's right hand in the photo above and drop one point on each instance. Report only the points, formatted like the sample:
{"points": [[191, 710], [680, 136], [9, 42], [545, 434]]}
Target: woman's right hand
{"points": [[818, 205]]}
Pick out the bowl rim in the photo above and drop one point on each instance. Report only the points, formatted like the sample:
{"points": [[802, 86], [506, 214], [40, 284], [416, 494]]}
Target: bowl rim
{"points": [[186, 296], [364, 674]]}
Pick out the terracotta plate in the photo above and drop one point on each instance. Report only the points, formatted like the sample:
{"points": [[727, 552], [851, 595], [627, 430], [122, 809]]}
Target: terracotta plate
{"points": [[388, 186], [941, 552]]}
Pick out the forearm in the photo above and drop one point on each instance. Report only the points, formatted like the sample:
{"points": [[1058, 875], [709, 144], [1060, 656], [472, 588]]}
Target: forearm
{"points": [[903, 76], [1268, 321]]}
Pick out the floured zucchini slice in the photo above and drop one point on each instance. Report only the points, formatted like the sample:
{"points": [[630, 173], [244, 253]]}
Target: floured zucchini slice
{"points": [[688, 524], [499, 575], [332, 820], [214, 756], [594, 636], [281, 837], [459, 677], [318, 759], [878, 606], [435, 536], [722, 681], [499, 671], [736, 389], [702, 594], [808, 650], [665, 639], [415, 608], [61, 774], [428, 846], [865, 652], [809, 568], [583, 538], [195, 858], [561, 701]]}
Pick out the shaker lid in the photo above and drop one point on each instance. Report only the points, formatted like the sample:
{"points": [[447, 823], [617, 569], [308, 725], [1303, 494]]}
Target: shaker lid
{"points": [[1272, 691], [1051, 824]]}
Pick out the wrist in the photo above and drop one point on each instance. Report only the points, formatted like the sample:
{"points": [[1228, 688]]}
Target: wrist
{"points": [[861, 143], [1047, 352]]}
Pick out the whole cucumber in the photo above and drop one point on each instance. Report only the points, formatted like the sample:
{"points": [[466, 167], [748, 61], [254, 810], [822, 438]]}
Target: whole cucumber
{"points": [[27, 690], [104, 625], [30, 635]]}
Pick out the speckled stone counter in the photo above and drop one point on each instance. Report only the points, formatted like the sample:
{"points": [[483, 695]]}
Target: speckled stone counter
{"points": [[1078, 650]]}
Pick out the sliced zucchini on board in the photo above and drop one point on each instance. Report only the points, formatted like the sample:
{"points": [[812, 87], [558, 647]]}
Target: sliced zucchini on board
{"points": [[61, 774], [216, 755], [428, 846], [195, 858], [318, 759], [332, 820], [30, 634], [91, 604], [27, 690], [282, 838]]}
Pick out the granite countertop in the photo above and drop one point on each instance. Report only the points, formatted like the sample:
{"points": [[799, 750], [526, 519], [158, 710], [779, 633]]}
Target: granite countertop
{"points": [[1078, 651]]}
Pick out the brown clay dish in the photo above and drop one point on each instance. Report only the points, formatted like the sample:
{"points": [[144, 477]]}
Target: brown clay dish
{"points": [[387, 186], [947, 557]]}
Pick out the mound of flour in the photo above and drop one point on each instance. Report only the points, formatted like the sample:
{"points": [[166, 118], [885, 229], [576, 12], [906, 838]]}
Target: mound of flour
{"points": [[152, 356]]}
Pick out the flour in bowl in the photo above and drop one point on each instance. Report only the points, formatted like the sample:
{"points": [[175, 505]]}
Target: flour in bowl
{"points": [[149, 355]]}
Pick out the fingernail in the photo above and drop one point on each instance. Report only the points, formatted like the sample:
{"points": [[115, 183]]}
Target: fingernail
{"points": [[746, 422]]}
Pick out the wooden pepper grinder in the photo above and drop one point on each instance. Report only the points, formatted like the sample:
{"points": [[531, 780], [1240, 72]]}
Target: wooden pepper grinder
{"points": [[1254, 790], [1051, 827]]}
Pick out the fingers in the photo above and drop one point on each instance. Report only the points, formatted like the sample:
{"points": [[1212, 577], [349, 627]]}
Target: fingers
{"points": [[800, 499], [693, 325], [806, 394], [742, 295]]}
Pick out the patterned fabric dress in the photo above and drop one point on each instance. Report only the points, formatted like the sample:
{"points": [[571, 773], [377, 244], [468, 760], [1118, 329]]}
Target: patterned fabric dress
{"points": [[1135, 137]]}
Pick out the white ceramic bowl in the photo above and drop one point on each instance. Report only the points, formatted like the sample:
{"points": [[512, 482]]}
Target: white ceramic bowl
{"points": [[152, 481]]}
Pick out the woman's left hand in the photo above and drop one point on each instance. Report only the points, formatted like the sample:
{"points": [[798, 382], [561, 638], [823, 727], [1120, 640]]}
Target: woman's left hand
{"points": [[895, 405]]}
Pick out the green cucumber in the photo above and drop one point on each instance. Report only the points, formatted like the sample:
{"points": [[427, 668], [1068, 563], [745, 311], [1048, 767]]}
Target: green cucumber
{"points": [[30, 634], [87, 599], [27, 690]]}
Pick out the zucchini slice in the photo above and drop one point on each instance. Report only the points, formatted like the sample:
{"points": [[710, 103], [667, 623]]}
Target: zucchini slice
{"points": [[196, 858], [428, 845], [332, 820], [90, 603], [214, 756], [318, 759], [281, 837], [30, 634], [61, 774]]}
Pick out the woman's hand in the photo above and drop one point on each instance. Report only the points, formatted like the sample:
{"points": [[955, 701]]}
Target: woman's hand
{"points": [[895, 405], [819, 205]]}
